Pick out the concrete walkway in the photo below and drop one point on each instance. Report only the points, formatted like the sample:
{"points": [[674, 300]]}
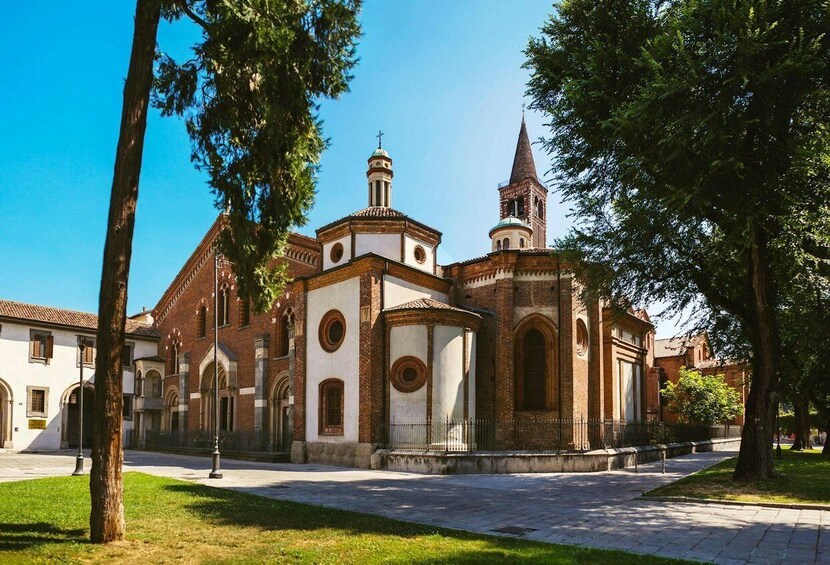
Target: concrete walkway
{"points": [[592, 509]]}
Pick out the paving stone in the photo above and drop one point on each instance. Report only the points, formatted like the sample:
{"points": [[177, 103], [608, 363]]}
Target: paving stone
{"points": [[592, 509]]}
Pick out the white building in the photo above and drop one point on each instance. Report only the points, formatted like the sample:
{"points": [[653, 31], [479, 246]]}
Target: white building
{"points": [[39, 371]]}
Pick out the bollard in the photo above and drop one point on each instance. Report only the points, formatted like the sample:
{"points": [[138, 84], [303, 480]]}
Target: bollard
{"points": [[663, 459]]}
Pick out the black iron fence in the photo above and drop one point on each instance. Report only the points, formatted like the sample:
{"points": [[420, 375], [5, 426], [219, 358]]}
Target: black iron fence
{"points": [[540, 435], [237, 442]]}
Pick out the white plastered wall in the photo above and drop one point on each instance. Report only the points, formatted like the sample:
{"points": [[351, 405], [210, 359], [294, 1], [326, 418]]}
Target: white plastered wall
{"points": [[347, 252], [407, 407], [384, 244], [448, 373], [342, 364], [409, 244], [398, 291], [514, 235], [58, 376]]}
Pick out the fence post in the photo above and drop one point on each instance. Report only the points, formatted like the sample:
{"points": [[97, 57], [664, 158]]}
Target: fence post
{"points": [[447, 434]]}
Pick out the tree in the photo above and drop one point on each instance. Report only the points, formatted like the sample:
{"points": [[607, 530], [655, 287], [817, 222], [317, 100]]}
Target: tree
{"points": [[249, 96], [703, 399], [691, 137]]}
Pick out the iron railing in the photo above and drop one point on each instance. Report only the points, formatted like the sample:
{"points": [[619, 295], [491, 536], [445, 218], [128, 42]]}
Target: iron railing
{"points": [[543, 435], [237, 442]]}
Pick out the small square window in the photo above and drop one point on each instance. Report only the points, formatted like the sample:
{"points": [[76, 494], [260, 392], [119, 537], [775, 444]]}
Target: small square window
{"points": [[127, 355], [37, 402], [40, 346]]}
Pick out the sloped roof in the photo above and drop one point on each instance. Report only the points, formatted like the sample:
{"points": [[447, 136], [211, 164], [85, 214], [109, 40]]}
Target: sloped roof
{"points": [[427, 304], [376, 212], [523, 165], [68, 318], [675, 346]]}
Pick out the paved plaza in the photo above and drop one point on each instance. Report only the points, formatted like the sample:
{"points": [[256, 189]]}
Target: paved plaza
{"points": [[593, 509]]}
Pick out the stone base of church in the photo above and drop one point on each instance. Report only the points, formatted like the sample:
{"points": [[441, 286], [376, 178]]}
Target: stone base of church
{"points": [[350, 454], [441, 463]]}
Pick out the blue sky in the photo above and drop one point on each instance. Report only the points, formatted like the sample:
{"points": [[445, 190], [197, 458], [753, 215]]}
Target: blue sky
{"points": [[443, 80]]}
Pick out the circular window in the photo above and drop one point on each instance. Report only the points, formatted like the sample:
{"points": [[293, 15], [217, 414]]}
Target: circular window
{"points": [[332, 330], [420, 254], [408, 374], [581, 337], [336, 252]]}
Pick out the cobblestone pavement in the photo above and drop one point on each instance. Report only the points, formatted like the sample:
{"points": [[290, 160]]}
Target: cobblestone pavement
{"points": [[591, 509]]}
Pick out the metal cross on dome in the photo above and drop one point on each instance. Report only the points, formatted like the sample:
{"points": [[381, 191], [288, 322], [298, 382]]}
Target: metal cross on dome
{"points": [[380, 137]]}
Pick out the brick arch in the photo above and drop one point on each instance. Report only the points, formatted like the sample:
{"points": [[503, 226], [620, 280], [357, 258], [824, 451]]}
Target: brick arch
{"points": [[535, 362]]}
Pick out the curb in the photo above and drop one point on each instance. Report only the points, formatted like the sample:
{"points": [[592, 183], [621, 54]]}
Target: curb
{"points": [[689, 499]]}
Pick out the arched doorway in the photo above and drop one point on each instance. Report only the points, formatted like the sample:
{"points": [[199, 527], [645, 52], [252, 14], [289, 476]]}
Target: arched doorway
{"points": [[6, 403], [70, 405], [227, 401], [280, 416], [170, 414]]}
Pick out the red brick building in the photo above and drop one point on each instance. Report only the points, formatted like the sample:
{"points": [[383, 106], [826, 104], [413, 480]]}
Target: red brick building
{"points": [[695, 353], [372, 333]]}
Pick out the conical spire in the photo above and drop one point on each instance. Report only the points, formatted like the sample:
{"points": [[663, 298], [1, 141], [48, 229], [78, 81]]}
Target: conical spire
{"points": [[523, 165]]}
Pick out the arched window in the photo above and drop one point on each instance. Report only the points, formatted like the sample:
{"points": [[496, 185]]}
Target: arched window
{"points": [[224, 305], [520, 207], [505, 244], [152, 385], [498, 245], [377, 193], [533, 371], [535, 364], [173, 358], [284, 324], [521, 242], [331, 407], [201, 321]]}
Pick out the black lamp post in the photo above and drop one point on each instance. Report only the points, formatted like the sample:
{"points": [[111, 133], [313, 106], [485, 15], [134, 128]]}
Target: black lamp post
{"points": [[216, 472], [79, 460]]}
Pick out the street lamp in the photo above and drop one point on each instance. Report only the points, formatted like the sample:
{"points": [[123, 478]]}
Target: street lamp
{"points": [[79, 460], [216, 473]]}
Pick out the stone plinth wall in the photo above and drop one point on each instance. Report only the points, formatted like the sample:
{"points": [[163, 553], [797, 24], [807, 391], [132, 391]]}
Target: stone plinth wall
{"points": [[340, 454], [518, 462]]}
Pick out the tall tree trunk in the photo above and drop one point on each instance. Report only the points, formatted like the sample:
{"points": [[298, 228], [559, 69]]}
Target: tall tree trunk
{"points": [[106, 519], [826, 450], [755, 460], [798, 425]]}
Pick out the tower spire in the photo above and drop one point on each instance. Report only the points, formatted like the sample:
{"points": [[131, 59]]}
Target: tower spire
{"points": [[523, 164]]}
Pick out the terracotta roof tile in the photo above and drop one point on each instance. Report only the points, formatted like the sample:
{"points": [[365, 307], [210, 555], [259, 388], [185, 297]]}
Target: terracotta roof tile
{"points": [[70, 318], [427, 304]]}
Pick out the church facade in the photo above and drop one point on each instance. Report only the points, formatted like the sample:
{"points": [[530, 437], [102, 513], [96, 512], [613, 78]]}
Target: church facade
{"points": [[373, 333]]}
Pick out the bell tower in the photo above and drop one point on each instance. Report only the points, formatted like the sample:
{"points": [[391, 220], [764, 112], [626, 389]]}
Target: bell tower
{"points": [[524, 196], [380, 177]]}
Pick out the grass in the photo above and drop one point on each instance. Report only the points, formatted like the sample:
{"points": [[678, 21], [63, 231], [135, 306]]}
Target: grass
{"points": [[805, 479], [168, 520]]}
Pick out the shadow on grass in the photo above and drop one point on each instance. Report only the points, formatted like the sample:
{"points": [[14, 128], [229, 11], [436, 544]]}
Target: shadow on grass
{"points": [[246, 510], [24, 536]]}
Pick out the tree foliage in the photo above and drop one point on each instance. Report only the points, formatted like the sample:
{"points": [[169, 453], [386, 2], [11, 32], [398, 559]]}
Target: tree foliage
{"points": [[249, 96], [691, 137], [702, 399]]}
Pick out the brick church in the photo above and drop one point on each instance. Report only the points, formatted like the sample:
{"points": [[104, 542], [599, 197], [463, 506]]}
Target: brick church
{"points": [[372, 331]]}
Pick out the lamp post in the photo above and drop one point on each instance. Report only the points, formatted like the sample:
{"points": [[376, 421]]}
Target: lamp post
{"points": [[216, 472], [79, 460]]}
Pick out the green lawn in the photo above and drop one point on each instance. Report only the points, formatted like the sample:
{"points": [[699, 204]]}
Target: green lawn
{"points": [[168, 520], [805, 479]]}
